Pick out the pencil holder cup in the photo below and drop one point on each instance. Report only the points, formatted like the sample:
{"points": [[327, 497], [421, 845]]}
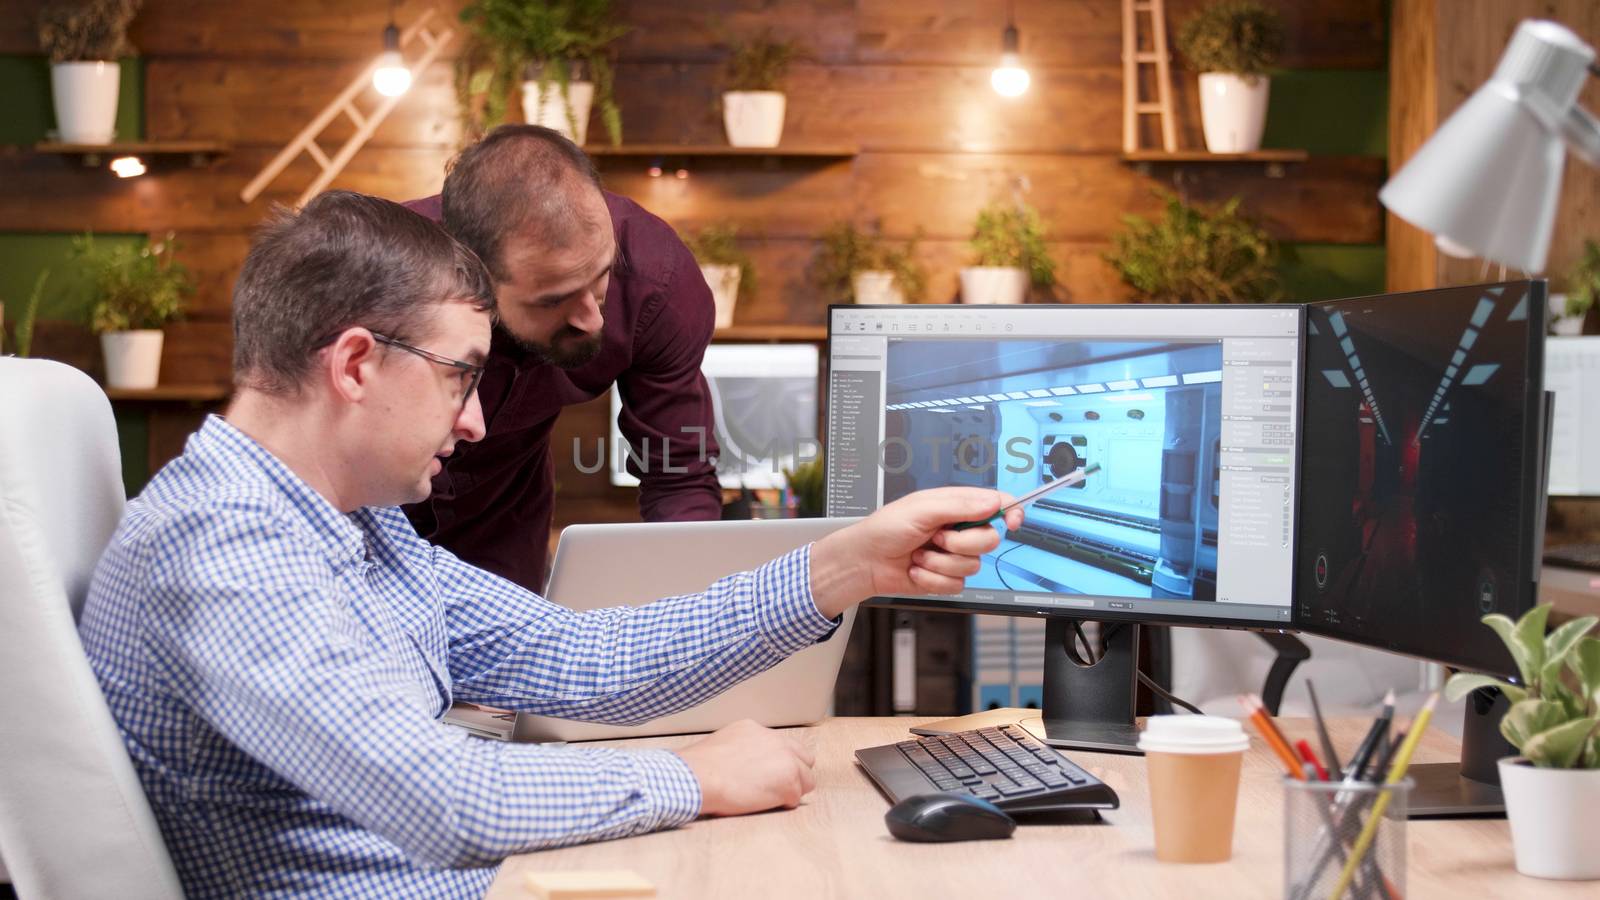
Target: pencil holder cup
{"points": [[1325, 823]]}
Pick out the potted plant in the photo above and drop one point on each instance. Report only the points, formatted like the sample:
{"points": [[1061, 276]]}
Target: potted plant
{"points": [[22, 332], [728, 270], [1583, 289], [84, 39], [1231, 44], [1553, 789], [859, 266], [555, 49], [1008, 240], [808, 482], [753, 102], [1191, 255], [136, 290]]}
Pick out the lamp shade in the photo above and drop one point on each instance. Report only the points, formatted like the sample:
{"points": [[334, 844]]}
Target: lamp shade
{"points": [[1488, 181]]}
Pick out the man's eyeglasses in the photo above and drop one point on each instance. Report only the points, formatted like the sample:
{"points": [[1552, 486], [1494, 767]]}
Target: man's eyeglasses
{"points": [[470, 374]]}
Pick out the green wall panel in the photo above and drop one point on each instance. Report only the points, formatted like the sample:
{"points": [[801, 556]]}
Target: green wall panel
{"points": [[26, 110]]}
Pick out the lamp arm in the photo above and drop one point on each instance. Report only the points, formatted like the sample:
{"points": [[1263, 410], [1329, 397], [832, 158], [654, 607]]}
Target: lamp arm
{"points": [[1581, 130]]}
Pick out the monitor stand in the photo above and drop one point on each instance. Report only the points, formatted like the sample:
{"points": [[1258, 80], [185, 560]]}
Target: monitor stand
{"points": [[1088, 704], [1470, 787]]}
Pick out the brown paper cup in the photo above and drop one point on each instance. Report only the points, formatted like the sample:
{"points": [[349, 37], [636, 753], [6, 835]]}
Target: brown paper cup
{"points": [[1192, 800]]}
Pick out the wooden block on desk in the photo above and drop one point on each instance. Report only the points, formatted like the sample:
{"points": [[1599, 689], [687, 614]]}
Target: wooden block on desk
{"points": [[583, 885]]}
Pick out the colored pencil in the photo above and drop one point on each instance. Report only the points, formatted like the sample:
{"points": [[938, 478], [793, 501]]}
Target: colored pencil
{"points": [[1397, 771]]}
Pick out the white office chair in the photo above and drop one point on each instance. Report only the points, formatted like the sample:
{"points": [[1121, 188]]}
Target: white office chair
{"points": [[73, 819]]}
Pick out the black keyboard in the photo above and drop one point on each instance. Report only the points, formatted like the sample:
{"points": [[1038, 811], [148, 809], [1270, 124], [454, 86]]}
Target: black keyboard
{"points": [[1574, 556], [1004, 765]]}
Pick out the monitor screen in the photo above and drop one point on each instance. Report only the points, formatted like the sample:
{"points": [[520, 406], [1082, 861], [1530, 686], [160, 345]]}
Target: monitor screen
{"points": [[1572, 372], [764, 403], [1421, 468], [1191, 414]]}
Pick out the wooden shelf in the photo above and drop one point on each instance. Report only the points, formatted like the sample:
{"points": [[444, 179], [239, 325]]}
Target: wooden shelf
{"points": [[1274, 160], [172, 393], [821, 151], [199, 153], [793, 333]]}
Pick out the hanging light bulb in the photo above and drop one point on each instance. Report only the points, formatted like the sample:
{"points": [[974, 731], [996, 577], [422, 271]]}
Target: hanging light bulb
{"points": [[391, 78], [1009, 79]]}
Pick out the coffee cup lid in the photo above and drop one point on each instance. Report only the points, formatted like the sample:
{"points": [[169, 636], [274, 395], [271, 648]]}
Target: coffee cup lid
{"points": [[1193, 734]]}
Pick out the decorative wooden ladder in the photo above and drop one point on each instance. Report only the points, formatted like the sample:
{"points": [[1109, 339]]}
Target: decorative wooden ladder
{"points": [[366, 123], [1133, 106]]}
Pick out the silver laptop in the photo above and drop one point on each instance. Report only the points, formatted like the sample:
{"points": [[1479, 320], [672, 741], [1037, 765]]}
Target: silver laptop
{"points": [[665, 559]]}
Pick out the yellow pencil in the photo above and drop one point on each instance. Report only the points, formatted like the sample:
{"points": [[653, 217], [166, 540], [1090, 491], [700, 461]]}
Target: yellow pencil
{"points": [[1397, 771]]}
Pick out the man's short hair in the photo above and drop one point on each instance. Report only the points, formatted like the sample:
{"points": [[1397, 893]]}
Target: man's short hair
{"points": [[345, 260], [520, 179]]}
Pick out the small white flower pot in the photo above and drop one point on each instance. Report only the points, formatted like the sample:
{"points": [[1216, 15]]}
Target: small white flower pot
{"points": [[549, 107], [876, 286], [85, 96], [1233, 111], [133, 358], [1552, 819], [753, 118], [724, 284], [993, 284]]}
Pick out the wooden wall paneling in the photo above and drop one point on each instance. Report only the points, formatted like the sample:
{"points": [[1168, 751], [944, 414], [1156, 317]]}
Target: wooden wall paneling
{"points": [[1325, 35], [885, 107], [197, 352], [1083, 197], [213, 259], [264, 103], [1411, 261], [61, 196], [1328, 34]]}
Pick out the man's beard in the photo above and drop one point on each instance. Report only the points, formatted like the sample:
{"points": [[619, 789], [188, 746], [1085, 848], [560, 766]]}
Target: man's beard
{"points": [[569, 348]]}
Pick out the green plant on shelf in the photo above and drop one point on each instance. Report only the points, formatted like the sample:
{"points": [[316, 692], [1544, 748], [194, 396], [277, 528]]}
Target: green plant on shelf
{"points": [[844, 250], [543, 41], [86, 30], [1194, 255], [22, 332], [133, 288], [761, 63], [1240, 37], [1012, 235], [1554, 719], [1583, 285], [718, 245]]}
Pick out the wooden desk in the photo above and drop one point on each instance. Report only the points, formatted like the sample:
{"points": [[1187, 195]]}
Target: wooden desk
{"points": [[835, 844]]}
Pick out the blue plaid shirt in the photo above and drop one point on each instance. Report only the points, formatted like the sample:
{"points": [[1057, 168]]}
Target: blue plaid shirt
{"points": [[278, 671]]}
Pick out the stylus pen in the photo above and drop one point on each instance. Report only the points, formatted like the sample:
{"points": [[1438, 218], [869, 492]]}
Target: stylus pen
{"points": [[1067, 480]]}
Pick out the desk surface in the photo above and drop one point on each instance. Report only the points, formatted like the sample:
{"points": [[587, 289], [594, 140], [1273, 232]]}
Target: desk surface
{"points": [[835, 844]]}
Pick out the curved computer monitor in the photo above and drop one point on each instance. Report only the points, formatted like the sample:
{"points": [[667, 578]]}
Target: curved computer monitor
{"points": [[1423, 469], [1190, 412]]}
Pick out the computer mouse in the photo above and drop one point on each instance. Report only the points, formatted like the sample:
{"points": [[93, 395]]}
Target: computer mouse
{"points": [[948, 817]]}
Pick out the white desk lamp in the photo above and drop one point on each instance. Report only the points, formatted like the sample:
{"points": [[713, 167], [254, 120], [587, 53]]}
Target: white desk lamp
{"points": [[1487, 183]]}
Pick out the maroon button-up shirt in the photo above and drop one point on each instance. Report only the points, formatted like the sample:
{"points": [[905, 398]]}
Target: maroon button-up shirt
{"points": [[491, 505]]}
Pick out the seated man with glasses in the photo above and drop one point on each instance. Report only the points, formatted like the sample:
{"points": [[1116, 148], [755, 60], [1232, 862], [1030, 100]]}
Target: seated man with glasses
{"points": [[278, 645]]}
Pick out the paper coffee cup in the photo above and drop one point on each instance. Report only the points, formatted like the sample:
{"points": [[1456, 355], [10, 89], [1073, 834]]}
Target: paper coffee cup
{"points": [[1193, 766]]}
